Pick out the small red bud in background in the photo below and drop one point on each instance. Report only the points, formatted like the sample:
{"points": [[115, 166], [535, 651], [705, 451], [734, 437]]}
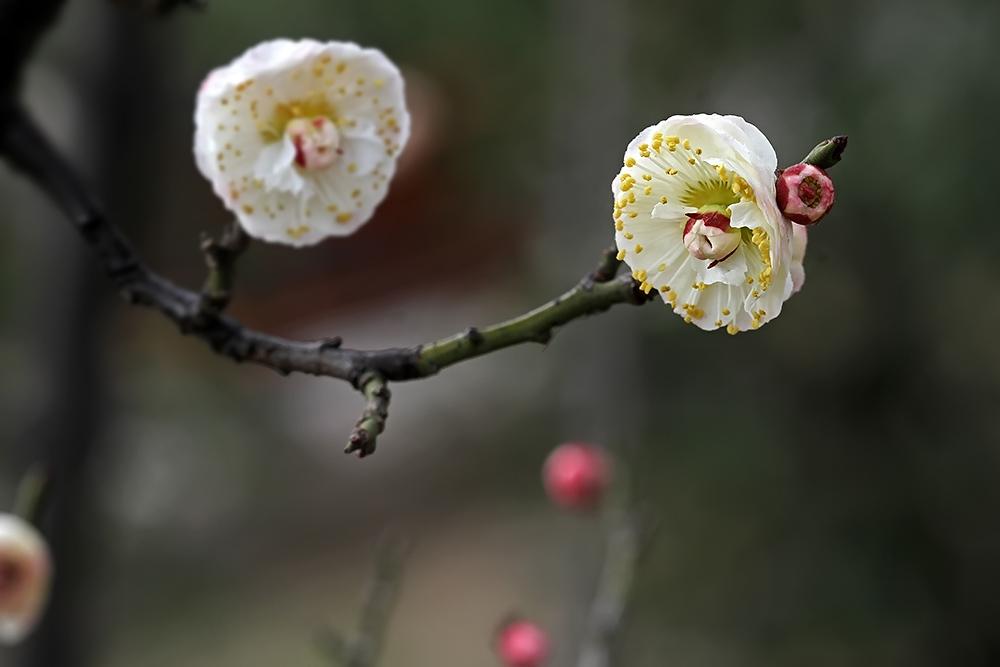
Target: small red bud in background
{"points": [[805, 193], [25, 571], [522, 644], [576, 475]]}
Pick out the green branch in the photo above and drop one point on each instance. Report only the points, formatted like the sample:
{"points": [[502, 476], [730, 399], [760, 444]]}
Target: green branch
{"points": [[597, 292], [372, 421]]}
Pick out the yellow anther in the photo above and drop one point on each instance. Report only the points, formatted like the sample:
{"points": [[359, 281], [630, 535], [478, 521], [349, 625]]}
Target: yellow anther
{"points": [[638, 248], [687, 145], [725, 311], [628, 235], [630, 162], [663, 199], [620, 256]]}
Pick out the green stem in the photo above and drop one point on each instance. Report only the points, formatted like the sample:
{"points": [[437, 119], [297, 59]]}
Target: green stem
{"points": [[372, 422], [537, 326], [827, 152]]}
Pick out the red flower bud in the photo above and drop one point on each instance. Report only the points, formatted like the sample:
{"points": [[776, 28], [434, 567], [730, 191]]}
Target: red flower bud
{"points": [[522, 644], [576, 475], [805, 193]]}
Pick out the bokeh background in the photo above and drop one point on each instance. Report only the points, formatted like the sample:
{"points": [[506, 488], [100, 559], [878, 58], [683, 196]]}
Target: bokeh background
{"points": [[824, 490]]}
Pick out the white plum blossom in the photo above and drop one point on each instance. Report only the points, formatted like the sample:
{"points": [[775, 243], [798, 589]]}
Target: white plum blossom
{"points": [[696, 220], [25, 571], [300, 138]]}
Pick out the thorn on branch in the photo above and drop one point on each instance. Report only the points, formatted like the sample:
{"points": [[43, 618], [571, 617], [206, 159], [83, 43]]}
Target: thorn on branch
{"points": [[372, 422]]}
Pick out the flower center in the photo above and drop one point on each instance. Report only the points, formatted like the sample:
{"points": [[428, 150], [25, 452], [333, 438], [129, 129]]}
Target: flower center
{"points": [[316, 141], [11, 577], [810, 191], [707, 235]]}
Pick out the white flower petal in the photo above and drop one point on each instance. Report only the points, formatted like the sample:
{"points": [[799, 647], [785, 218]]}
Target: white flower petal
{"points": [[800, 237], [278, 193], [699, 167]]}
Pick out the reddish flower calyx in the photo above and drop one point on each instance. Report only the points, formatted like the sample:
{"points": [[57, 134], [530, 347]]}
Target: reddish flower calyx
{"points": [[522, 644], [316, 141], [707, 235], [805, 193], [576, 475]]}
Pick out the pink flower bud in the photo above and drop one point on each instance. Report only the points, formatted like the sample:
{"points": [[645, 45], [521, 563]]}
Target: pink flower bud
{"points": [[522, 644], [805, 193], [25, 570], [576, 475]]}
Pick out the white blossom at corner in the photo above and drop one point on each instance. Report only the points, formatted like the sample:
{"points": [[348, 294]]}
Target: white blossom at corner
{"points": [[696, 219], [300, 138], [25, 571]]}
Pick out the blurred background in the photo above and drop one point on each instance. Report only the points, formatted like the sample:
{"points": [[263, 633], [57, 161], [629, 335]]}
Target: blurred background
{"points": [[825, 489]]}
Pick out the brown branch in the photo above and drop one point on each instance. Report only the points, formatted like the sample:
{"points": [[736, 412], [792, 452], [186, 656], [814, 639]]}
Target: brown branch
{"points": [[199, 314], [27, 149], [379, 603]]}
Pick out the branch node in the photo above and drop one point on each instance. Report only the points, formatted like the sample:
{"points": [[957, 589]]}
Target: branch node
{"points": [[331, 343], [475, 336], [605, 271]]}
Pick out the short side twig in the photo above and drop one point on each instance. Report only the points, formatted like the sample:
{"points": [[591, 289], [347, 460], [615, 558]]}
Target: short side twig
{"points": [[372, 421], [220, 258], [376, 611]]}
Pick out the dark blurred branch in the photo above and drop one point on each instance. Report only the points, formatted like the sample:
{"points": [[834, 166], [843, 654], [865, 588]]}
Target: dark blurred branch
{"points": [[379, 603], [33, 494], [163, 6], [22, 23], [614, 588]]}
